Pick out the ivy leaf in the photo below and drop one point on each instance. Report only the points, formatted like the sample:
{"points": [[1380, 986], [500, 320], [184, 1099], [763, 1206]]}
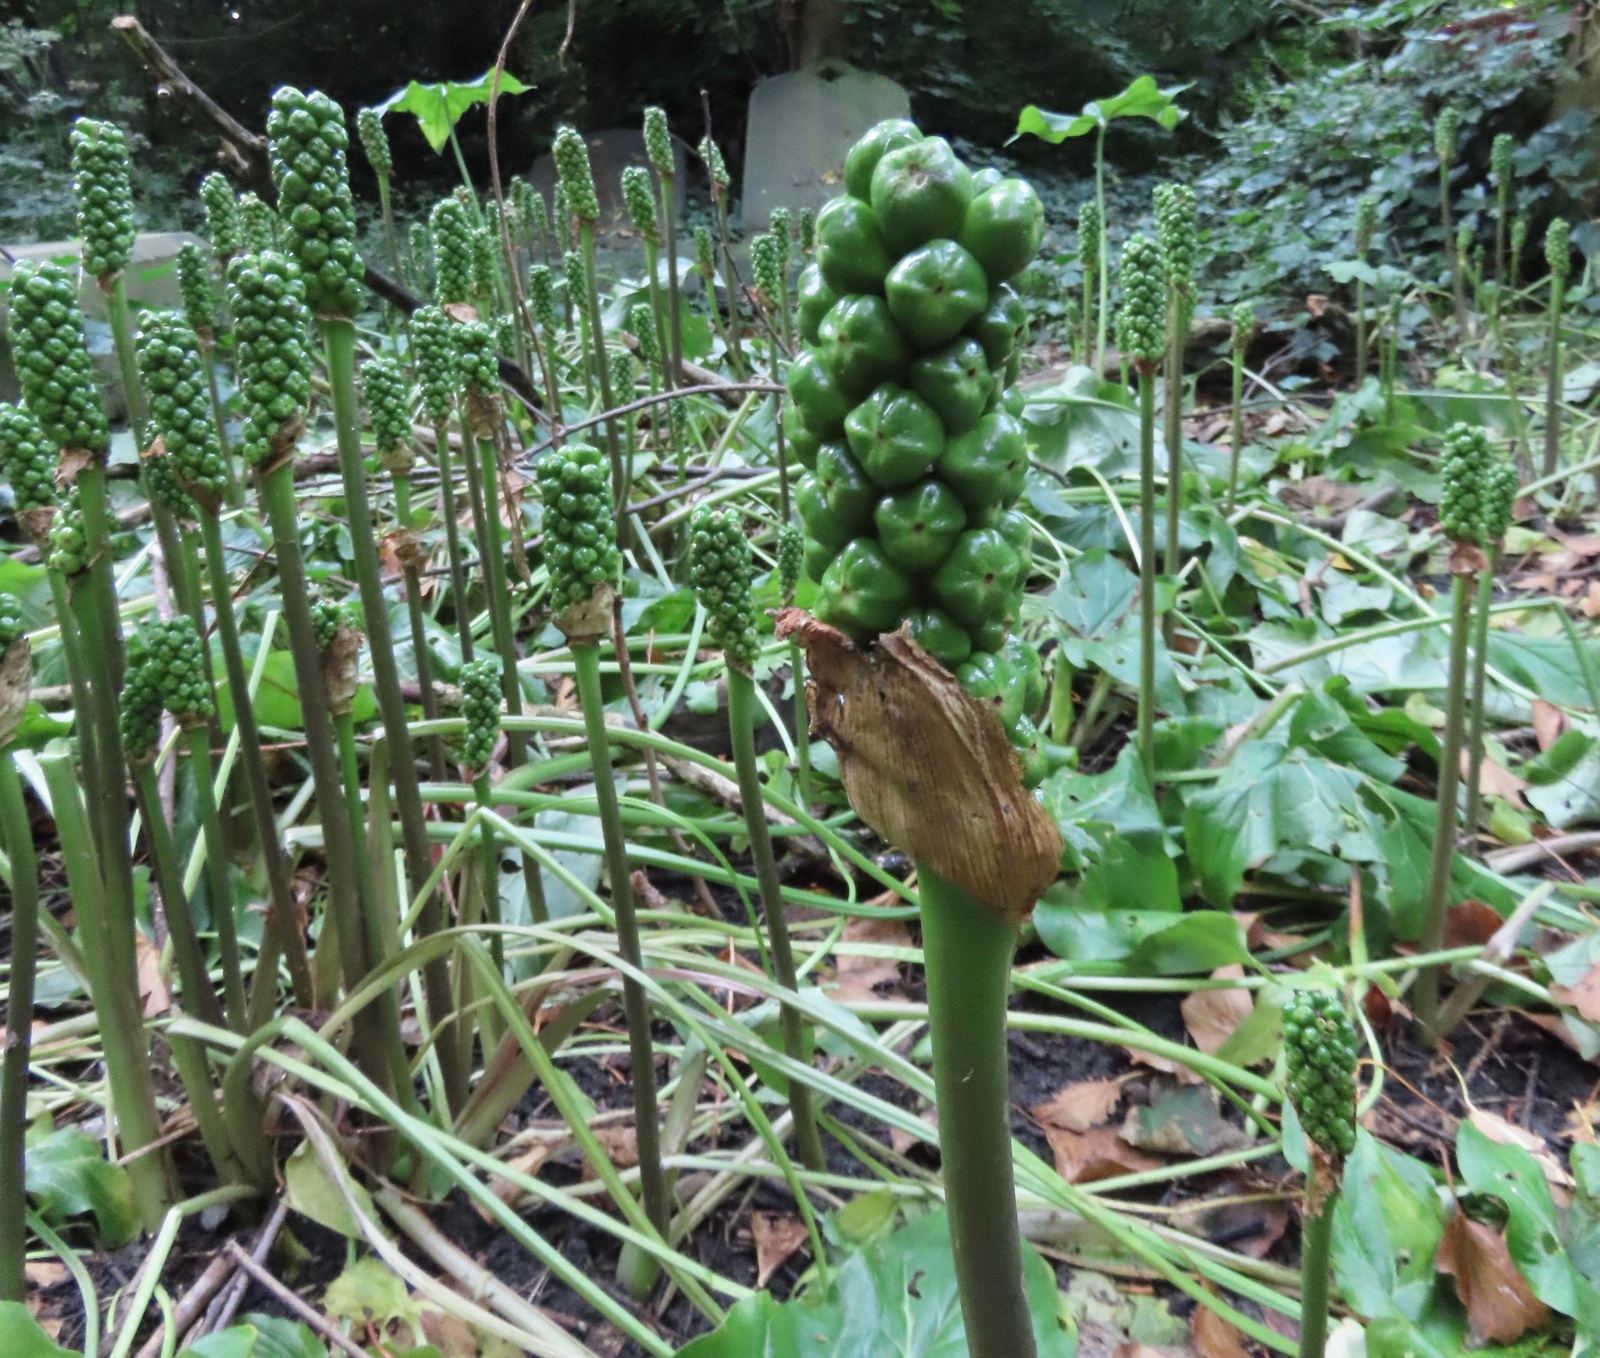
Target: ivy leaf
{"points": [[21, 1337], [68, 1176], [438, 107], [1142, 99]]}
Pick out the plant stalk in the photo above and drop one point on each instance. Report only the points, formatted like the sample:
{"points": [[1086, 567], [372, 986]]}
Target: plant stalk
{"points": [[1480, 666], [1361, 331], [1447, 223], [1552, 389], [17, 833], [1236, 429], [620, 470], [1316, 1242], [419, 627], [673, 356], [218, 885], [1173, 431], [452, 537], [1147, 571]]}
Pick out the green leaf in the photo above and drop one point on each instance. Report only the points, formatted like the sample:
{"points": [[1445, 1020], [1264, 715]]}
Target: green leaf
{"points": [[369, 1290], [1386, 1227], [1142, 99], [1571, 797], [68, 1176], [1322, 723], [279, 1338], [1559, 760], [21, 1337], [1081, 422], [238, 1341], [313, 1193], [894, 1299], [1138, 942], [438, 107]]}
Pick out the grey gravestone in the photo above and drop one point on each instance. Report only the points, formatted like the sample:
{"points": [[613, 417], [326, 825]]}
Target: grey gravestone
{"points": [[800, 127]]}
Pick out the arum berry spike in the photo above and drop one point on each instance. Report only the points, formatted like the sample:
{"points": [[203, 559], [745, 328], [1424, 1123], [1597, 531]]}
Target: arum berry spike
{"points": [[1446, 133], [1558, 255], [1366, 228], [438, 373], [1177, 235], [1243, 324], [224, 226], [452, 252], [1501, 167], [1501, 498], [659, 148]]}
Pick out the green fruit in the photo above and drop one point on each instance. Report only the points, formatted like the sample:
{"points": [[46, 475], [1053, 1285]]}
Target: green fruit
{"points": [[861, 344], [995, 683], [180, 405], [452, 252], [1558, 247], [307, 139], [374, 141], [816, 300], [642, 322], [102, 191], [1319, 1051], [270, 322], [818, 557], [799, 442], [658, 139], [895, 436], [977, 576], [174, 652], [258, 225], [542, 298], [388, 406], [638, 196], [223, 223], [716, 167], [993, 632], [1142, 318], [571, 155], [480, 706], [67, 547], [52, 361], [28, 459], [862, 158], [1177, 233], [1032, 753], [1024, 658], [1003, 228], [766, 268], [987, 465], [935, 292], [845, 493], [1000, 327], [985, 179], [821, 401], [140, 707], [940, 635], [863, 593], [956, 382], [851, 253], [194, 287], [791, 560], [919, 525], [721, 572], [580, 539], [434, 349], [920, 192], [476, 367], [1015, 528]]}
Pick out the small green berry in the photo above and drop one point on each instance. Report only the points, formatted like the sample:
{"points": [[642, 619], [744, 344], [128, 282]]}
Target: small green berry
{"points": [[307, 139], [1558, 247], [765, 267], [476, 367], [716, 167], [180, 406], [658, 140], [452, 252], [1177, 233], [571, 155], [140, 705], [102, 190], [542, 298], [195, 288], [778, 222], [68, 550], [480, 705], [177, 657], [270, 322], [12, 625], [807, 229], [580, 539], [28, 459], [52, 361], [374, 141], [642, 322], [638, 196], [791, 558], [223, 223], [258, 225], [438, 369], [1319, 1050], [1243, 318], [1470, 498], [1141, 320], [1500, 154], [1091, 237], [1446, 132], [721, 573], [389, 409]]}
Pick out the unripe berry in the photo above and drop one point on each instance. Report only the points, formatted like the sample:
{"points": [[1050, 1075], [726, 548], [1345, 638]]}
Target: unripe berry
{"points": [[720, 572], [161, 479], [102, 191], [523, 195], [480, 705], [1244, 324], [52, 360], [418, 249], [571, 155], [475, 361], [765, 267], [1558, 247], [580, 538], [180, 406], [194, 286], [330, 617], [176, 655], [1500, 158], [1141, 319], [258, 225], [1177, 233], [270, 321], [1446, 132], [536, 211], [1091, 236], [389, 409], [68, 552], [621, 366], [642, 322], [140, 706], [485, 265], [780, 225], [452, 252], [437, 371], [1319, 1051], [1366, 223], [658, 139], [640, 199], [573, 276], [28, 458], [716, 167], [505, 337], [1470, 496], [705, 251], [560, 217], [791, 557], [1464, 240], [1502, 500], [1519, 233], [807, 227], [542, 298], [307, 139], [223, 223], [12, 626], [374, 141]]}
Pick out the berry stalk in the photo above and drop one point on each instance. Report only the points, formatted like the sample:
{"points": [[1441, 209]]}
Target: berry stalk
{"points": [[658, 145], [1243, 323], [1557, 247]]}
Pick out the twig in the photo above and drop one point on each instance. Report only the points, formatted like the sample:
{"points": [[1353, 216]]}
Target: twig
{"points": [[292, 1303], [208, 1285], [1520, 856]]}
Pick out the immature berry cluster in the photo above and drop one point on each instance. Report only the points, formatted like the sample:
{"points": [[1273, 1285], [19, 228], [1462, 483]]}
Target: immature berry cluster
{"points": [[1558, 247], [388, 407], [194, 287], [68, 547], [1177, 233], [638, 196], [374, 141], [102, 189], [1478, 489], [180, 406], [542, 298], [781, 225], [140, 700], [435, 352], [1141, 320], [1366, 223], [258, 223], [475, 361], [720, 572], [791, 560], [1319, 1050], [485, 264], [307, 138], [766, 268], [173, 652], [161, 479], [28, 459], [705, 251], [329, 617], [913, 459], [1446, 132], [12, 624], [580, 541], [1243, 318], [642, 323], [571, 155], [1091, 237], [573, 276], [657, 139], [52, 360], [480, 705], [806, 229], [716, 167], [269, 322], [619, 363], [223, 224]]}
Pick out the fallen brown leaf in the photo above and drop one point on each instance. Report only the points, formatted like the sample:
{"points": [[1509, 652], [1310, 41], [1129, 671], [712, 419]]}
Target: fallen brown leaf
{"points": [[901, 1141], [1079, 1106], [1591, 600], [621, 1145], [1083, 1157], [45, 1273], [859, 977], [1214, 1337], [1548, 720], [1212, 1015], [1499, 1305], [1253, 926], [451, 1336], [1496, 780], [1470, 924], [153, 997], [528, 1162], [1584, 997], [1504, 1133], [777, 1237]]}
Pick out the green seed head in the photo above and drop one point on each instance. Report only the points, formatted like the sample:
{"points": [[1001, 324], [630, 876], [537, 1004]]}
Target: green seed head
{"points": [[452, 252], [374, 141], [180, 406], [270, 321], [580, 536], [68, 551], [52, 360], [330, 617], [571, 155], [765, 266], [522, 195], [1141, 319], [1319, 1052], [480, 705], [1177, 233], [1446, 132], [223, 223], [28, 459], [642, 322], [475, 359], [436, 362], [1091, 236], [658, 139], [542, 298], [103, 194], [537, 211], [1558, 247], [1501, 501], [782, 227], [1469, 504], [705, 250], [561, 216], [258, 225], [620, 362], [716, 167], [1244, 324], [505, 337], [194, 286], [175, 652], [161, 479], [573, 276], [418, 249], [791, 556], [1464, 239], [720, 571], [307, 139], [1500, 158], [640, 200], [1366, 223], [485, 264], [807, 228], [140, 715], [12, 625], [388, 406], [1519, 233]]}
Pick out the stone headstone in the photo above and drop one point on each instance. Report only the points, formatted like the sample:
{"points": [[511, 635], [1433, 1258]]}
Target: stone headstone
{"points": [[800, 126]]}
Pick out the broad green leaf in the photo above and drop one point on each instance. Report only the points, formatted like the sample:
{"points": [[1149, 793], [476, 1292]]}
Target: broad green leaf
{"points": [[279, 1338], [1082, 422], [894, 1299], [1580, 1224], [238, 1341], [1386, 1227], [1097, 594], [1573, 796], [369, 1290], [1138, 942], [1559, 760], [69, 1176], [438, 107], [1321, 723], [1142, 99], [313, 1193], [1259, 1036], [21, 1337]]}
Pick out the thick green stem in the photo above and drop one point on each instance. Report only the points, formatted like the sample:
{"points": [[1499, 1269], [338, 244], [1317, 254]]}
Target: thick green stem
{"points": [[283, 920], [802, 726], [77, 678], [647, 1117], [968, 952], [741, 729], [1361, 331], [419, 627], [1445, 828], [339, 337], [452, 538], [1447, 223], [1480, 668], [218, 885], [17, 833], [620, 470], [1104, 309], [235, 490], [1552, 389], [673, 356], [114, 990], [730, 285], [189, 1060], [490, 861], [1316, 1242], [658, 306], [1236, 429], [1147, 571], [1173, 431]]}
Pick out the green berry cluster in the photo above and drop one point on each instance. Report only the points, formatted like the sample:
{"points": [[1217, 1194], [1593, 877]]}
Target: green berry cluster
{"points": [[716, 167], [791, 560], [522, 198], [1141, 319], [161, 480], [1519, 233], [1366, 223], [27, 458], [638, 196], [270, 322], [572, 274], [194, 287], [329, 617], [657, 139], [580, 539], [620, 364], [1500, 154], [68, 546], [913, 454], [705, 251], [480, 705], [485, 265], [437, 370], [542, 298], [180, 405], [1479, 488], [259, 225], [1177, 233], [140, 700], [781, 225], [1243, 318], [1446, 132], [642, 323], [374, 141], [1558, 247], [418, 249], [720, 571], [12, 624], [476, 367], [1091, 237], [571, 155], [102, 191], [562, 218], [52, 360], [307, 139], [388, 406], [174, 651], [223, 223], [1319, 1051], [806, 229], [766, 267], [537, 212]]}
